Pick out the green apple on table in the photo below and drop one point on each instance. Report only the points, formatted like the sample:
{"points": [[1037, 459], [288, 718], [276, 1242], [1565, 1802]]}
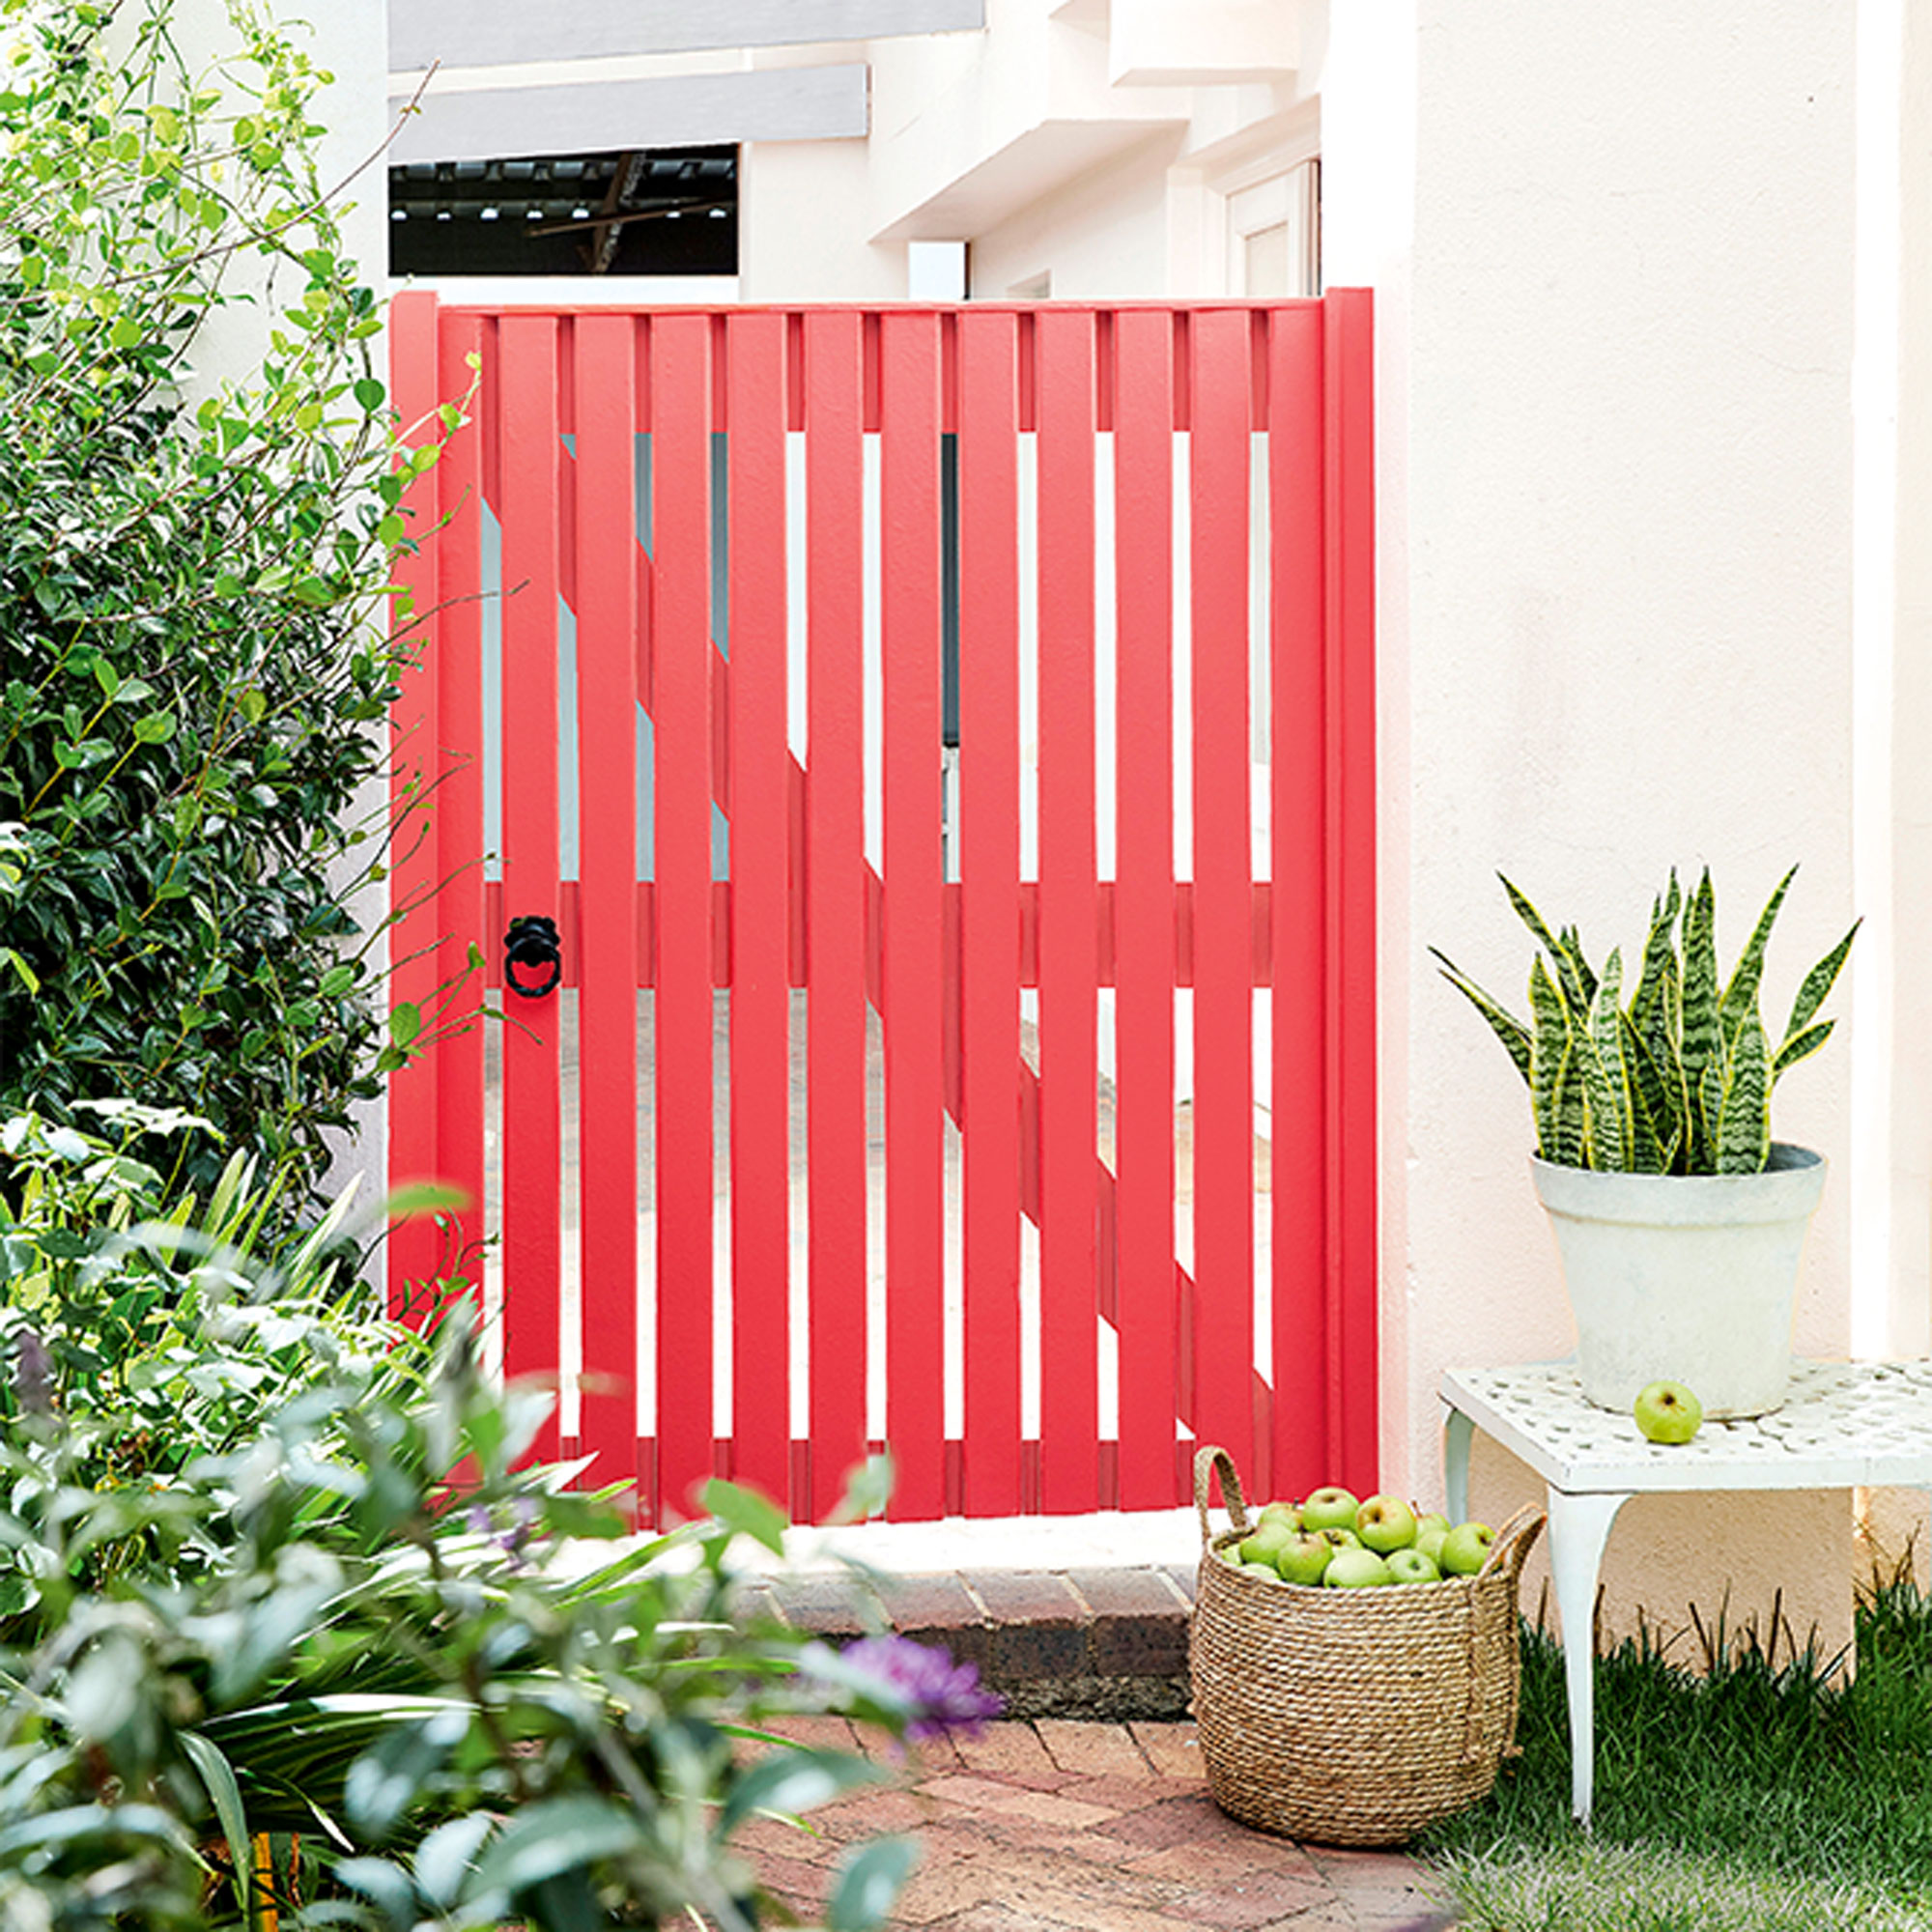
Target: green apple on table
{"points": [[1411, 1566], [1356, 1569], [1330, 1508], [1466, 1548], [1666, 1412], [1305, 1560]]}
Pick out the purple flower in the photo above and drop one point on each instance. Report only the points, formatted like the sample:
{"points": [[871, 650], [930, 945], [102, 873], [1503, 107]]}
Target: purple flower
{"points": [[33, 1377], [945, 1697]]}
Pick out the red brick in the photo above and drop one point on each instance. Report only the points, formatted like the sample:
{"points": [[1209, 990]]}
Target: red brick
{"points": [[1260, 1899], [1015, 1751], [1094, 1750], [1172, 1749]]}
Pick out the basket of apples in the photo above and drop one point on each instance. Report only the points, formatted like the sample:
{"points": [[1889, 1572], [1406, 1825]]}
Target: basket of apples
{"points": [[1353, 1663]]}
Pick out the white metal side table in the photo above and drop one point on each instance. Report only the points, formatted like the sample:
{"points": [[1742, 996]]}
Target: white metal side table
{"points": [[1844, 1424]]}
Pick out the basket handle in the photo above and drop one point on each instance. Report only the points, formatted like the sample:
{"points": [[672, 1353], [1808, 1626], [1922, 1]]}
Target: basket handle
{"points": [[1514, 1542], [1208, 1461]]}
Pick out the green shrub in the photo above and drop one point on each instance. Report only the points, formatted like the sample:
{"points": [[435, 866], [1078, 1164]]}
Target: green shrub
{"points": [[193, 668]]}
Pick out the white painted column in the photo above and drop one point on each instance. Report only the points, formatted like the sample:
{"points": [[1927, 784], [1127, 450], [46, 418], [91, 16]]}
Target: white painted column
{"points": [[1613, 253]]}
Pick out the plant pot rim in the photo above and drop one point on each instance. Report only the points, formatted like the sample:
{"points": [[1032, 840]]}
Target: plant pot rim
{"points": [[1788, 1188]]}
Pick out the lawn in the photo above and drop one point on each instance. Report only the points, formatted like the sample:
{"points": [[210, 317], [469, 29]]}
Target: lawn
{"points": [[1770, 1788]]}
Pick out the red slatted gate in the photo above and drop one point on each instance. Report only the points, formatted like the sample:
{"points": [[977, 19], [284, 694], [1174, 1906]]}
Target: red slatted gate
{"points": [[903, 1083]]}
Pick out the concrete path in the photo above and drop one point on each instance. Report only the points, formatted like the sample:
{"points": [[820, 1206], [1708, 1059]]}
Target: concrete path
{"points": [[1061, 1825]]}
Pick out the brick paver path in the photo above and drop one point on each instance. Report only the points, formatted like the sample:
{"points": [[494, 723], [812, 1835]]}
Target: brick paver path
{"points": [[1065, 1826]]}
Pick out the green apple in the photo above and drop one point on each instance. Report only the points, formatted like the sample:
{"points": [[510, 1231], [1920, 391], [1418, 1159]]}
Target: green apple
{"points": [[1435, 1520], [1305, 1560], [1356, 1569], [1385, 1523], [1340, 1539], [1331, 1508], [1430, 1541], [1266, 1539], [1668, 1413], [1287, 1513], [1411, 1566], [1464, 1549], [1266, 1570]]}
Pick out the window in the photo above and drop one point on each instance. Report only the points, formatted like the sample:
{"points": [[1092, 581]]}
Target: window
{"points": [[641, 212]]}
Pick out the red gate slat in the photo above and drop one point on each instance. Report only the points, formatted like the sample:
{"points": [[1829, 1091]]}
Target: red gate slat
{"points": [[1144, 904], [1348, 366], [913, 973], [1068, 949], [760, 808], [1303, 1458], [532, 1152], [459, 806], [606, 938], [415, 1245], [1224, 1130], [681, 654], [989, 867], [834, 899]]}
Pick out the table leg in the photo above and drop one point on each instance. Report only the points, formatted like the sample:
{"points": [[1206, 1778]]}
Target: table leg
{"points": [[1579, 1525], [1458, 1433]]}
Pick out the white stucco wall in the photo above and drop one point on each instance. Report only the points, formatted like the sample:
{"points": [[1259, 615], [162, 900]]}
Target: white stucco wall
{"points": [[1616, 515]]}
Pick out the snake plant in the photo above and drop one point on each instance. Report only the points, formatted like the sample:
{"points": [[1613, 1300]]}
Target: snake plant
{"points": [[1679, 1080]]}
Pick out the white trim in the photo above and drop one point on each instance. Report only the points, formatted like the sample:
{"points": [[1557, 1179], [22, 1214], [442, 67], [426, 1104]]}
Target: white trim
{"points": [[481, 32], [788, 104]]}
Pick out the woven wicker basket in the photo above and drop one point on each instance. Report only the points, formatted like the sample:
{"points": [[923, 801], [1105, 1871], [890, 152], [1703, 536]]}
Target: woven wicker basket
{"points": [[1350, 1716]]}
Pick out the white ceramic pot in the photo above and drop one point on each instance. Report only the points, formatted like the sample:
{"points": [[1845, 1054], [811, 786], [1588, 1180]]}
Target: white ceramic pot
{"points": [[1689, 1278]]}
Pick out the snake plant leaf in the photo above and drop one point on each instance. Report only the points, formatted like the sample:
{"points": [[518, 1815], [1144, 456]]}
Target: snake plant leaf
{"points": [[1607, 1107], [1567, 975], [1566, 1114], [1800, 1046], [1740, 997], [1818, 983], [1654, 1114], [1571, 943], [1550, 1064], [1659, 955], [1702, 1044], [1507, 1029], [1744, 1120]]}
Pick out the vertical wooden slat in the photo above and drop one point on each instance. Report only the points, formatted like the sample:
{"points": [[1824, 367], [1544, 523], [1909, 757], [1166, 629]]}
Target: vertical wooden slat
{"points": [[1068, 949], [760, 808], [681, 654], [835, 900], [1349, 365], [913, 966], [530, 458], [1144, 904], [460, 801], [415, 1245], [989, 918], [1224, 1134], [1298, 782], [607, 961]]}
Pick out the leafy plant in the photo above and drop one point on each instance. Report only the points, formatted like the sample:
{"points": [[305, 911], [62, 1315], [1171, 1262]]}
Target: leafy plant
{"points": [[194, 665], [1680, 1080]]}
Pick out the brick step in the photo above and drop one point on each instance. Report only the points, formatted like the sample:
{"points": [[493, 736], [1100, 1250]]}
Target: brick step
{"points": [[1107, 1644]]}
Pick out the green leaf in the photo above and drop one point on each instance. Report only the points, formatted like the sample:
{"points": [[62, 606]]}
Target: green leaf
{"points": [[1607, 1107], [155, 729], [405, 1023], [369, 393], [225, 1793], [746, 1512], [1567, 977], [447, 1854], [1818, 983], [553, 1836], [28, 977], [794, 1781], [1653, 1118], [1741, 995], [1550, 1058], [1801, 1046], [1505, 1025], [1702, 1047], [389, 1779], [868, 1885], [1744, 1123]]}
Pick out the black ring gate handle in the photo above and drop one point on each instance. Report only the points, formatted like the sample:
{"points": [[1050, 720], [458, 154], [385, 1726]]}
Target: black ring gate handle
{"points": [[531, 941]]}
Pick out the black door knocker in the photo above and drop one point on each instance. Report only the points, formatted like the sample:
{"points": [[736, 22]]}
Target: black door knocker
{"points": [[532, 942]]}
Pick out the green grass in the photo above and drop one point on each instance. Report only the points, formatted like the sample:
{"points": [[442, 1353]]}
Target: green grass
{"points": [[1772, 1790]]}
